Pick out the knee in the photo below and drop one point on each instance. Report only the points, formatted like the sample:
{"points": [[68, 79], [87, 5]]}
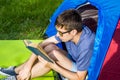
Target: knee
{"points": [[53, 55], [50, 47], [57, 55]]}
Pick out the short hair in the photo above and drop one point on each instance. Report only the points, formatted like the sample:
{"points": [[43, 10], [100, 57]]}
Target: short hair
{"points": [[69, 19]]}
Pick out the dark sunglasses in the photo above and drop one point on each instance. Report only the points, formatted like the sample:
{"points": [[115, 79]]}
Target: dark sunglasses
{"points": [[61, 33]]}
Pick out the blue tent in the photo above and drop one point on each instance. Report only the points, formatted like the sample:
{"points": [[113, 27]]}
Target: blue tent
{"points": [[109, 14]]}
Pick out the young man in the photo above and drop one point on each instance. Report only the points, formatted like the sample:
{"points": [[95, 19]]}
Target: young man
{"points": [[71, 64]]}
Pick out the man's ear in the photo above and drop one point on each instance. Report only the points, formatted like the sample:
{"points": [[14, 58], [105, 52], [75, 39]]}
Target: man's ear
{"points": [[74, 32]]}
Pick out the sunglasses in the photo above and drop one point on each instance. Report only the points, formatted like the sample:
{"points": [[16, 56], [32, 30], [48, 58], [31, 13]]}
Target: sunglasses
{"points": [[61, 33]]}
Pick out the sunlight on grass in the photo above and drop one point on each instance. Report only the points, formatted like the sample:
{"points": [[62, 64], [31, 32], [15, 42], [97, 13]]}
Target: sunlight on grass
{"points": [[20, 19], [14, 53]]}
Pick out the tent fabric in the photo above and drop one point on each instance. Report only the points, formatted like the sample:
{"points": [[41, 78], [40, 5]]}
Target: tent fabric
{"points": [[89, 14], [64, 6], [111, 66], [50, 31], [108, 16]]}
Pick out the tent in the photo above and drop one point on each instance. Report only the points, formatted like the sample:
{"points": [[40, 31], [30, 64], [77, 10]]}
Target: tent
{"points": [[108, 17], [111, 66]]}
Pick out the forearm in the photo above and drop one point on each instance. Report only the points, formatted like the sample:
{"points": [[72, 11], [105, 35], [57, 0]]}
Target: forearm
{"points": [[48, 41], [66, 73], [78, 75], [31, 61]]}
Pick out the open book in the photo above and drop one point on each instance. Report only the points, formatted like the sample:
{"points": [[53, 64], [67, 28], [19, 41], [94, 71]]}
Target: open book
{"points": [[37, 50]]}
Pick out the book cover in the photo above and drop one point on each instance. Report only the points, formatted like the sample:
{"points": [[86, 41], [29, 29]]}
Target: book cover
{"points": [[37, 50]]}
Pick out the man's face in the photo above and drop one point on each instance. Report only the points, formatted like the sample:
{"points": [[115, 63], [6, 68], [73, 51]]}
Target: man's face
{"points": [[64, 35]]}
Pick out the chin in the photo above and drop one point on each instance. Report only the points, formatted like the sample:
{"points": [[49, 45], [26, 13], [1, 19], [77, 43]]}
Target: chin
{"points": [[64, 40]]}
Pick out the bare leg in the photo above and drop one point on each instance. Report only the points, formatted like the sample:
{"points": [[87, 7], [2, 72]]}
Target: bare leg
{"points": [[28, 63], [62, 59], [18, 68], [60, 55], [38, 69]]}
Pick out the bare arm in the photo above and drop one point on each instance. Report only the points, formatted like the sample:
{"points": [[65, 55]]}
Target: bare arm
{"points": [[25, 72], [79, 75], [48, 41], [31, 61], [33, 57]]}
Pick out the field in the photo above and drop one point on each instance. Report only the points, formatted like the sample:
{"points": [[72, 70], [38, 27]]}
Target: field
{"points": [[25, 19]]}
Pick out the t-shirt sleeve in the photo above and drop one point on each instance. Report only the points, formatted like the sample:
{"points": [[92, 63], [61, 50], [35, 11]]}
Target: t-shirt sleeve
{"points": [[57, 38]]}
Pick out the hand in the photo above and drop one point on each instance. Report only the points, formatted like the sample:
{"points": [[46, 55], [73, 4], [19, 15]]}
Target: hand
{"points": [[24, 74], [40, 44], [44, 62], [50, 65]]}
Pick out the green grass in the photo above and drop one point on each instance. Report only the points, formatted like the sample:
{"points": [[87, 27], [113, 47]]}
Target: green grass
{"points": [[14, 53], [21, 19]]}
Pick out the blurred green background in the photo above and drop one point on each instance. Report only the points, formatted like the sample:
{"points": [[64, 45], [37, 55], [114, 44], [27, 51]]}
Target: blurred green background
{"points": [[25, 19]]}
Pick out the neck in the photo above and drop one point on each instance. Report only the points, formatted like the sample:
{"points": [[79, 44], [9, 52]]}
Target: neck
{"points": [[76, 38]]}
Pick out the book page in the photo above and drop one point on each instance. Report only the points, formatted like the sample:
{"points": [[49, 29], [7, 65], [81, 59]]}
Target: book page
{"points": [[36, 49]]}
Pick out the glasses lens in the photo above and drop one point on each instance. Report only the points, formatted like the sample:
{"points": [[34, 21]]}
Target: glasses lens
{"points": [[60, 33]]}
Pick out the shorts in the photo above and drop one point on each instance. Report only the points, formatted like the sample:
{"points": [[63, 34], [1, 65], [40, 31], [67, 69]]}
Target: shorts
{"points": [[73, 69]]}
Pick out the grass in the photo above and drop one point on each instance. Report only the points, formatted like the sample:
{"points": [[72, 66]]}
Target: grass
{"points": [[25, 19], [14, 53]]}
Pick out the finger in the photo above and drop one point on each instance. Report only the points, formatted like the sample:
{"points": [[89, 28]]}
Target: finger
{"points": [[18, 78], [40, 58], [29, 77]]}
